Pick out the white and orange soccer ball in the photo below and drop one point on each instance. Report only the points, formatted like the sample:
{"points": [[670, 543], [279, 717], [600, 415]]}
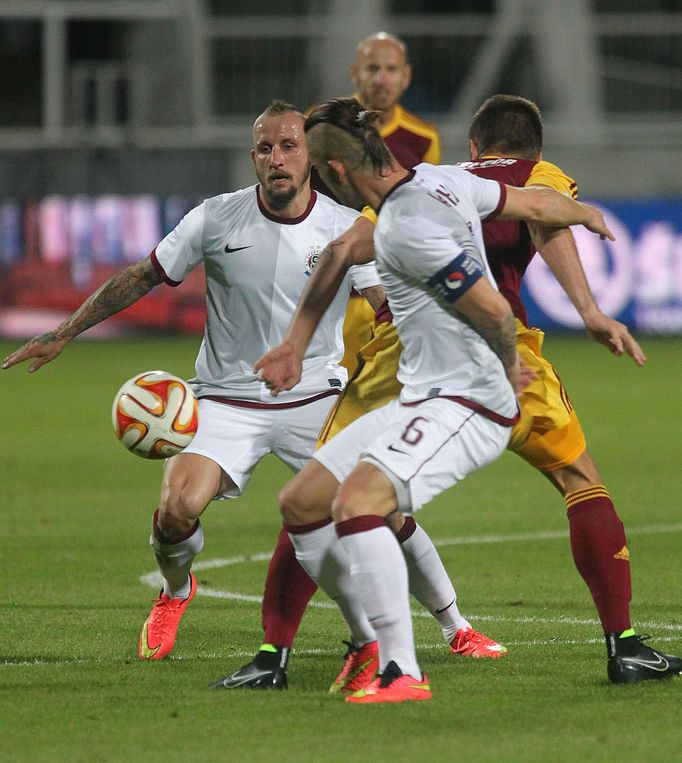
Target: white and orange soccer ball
{"points": [[155, 415]]}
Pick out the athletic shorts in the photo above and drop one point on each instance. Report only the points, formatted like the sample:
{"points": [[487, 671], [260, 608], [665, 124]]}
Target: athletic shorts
{"points": [[548, 435], [238, 438], [423, 449]]}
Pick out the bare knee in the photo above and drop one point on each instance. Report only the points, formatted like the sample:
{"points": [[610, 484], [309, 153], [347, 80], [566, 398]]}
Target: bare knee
{"points": [[366, 491], [307, 498], [293, 504], [179, 509]]}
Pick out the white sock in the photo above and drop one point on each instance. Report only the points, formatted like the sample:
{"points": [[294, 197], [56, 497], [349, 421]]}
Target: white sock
{"points": [[379, 573], [175, 561], [324, 559], [430, 584]]}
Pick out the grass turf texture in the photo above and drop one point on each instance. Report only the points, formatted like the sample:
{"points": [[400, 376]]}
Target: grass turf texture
{"points": [[77, 511]]}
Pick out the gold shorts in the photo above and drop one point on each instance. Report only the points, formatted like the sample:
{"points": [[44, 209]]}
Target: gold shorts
{"points": [[548, 434], [357, 330], [374, 383]]}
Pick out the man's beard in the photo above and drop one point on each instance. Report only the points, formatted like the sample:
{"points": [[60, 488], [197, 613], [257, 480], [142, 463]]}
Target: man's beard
{"points": [[279, 200]]}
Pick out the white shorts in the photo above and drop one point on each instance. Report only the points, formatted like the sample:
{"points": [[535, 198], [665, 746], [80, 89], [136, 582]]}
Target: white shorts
{"points": [[238, 438], [422, 449]]}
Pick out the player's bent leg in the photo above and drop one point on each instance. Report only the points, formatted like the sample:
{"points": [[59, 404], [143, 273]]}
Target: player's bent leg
{"points": [[377, 565], [190, 482], [431, 586], [307, 497]]}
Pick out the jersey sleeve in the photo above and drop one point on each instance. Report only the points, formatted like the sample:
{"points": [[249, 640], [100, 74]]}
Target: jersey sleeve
{"points": [[545, 173], [488, 196], [180, 251], [364, 276], [442, 255]]}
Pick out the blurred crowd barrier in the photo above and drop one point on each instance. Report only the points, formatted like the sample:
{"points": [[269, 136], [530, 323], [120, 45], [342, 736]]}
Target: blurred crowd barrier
{"points": [[55, 251]]}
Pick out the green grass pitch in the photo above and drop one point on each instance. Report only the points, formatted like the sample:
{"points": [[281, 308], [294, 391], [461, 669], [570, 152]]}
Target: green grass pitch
{"points": [[74, 553]]}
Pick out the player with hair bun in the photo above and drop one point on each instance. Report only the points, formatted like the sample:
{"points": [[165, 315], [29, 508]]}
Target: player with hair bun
{"points": [[455, 410]]}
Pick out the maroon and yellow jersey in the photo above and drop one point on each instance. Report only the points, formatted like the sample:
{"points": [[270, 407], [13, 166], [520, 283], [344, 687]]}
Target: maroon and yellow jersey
{"points": [[507, 242], [411, 140]]}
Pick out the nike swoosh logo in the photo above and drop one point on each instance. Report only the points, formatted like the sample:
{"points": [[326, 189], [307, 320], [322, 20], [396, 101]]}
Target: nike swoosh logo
{"points": [[661, 664], [395, 450], [440, 611], [245, 678], [148, 652], [228, 250]]}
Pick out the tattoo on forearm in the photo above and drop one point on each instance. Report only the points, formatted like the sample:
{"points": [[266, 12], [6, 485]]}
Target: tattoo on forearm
{"points": [[119, 292], [502, 341]]}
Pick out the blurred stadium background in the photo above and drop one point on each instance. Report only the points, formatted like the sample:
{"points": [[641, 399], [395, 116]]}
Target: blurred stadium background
{"points": [[116, 116]]}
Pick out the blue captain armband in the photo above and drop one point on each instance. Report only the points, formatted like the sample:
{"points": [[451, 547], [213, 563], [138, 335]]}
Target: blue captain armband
{"points": [[456, 278]]}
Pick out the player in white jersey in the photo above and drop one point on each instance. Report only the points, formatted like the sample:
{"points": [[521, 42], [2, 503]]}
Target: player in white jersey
{"points": [[459, 368], [259, 247]]}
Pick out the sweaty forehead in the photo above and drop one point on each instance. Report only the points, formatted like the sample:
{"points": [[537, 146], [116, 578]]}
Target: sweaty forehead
{"points": [[288, 126]]}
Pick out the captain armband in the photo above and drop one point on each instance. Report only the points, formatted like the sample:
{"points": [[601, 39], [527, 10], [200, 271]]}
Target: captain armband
{"points": [[456, 278]]}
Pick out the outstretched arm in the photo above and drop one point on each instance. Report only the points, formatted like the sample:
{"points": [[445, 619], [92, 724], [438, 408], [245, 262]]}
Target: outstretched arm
{"points": [[558, 249], [119, 292], [280, 368], [539, 204]]}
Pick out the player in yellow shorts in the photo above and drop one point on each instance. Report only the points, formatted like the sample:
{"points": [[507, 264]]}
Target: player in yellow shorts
{"points": [[506, 142], [506, 145]]}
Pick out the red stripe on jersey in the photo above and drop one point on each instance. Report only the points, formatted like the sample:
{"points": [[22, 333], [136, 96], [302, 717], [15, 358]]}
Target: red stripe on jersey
{"points": [[500, 203], [286, 220], [270, 406], [159, 269], [473, 406]]}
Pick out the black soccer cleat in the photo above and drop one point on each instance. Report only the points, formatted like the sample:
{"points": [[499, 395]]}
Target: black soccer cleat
{"points": [[267, 670], [631, 661]]}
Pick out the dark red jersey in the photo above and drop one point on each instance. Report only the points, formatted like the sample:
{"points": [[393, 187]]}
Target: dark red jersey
{"points": [[507, 242]]}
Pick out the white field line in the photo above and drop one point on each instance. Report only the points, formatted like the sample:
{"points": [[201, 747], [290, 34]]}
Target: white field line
{"points": [[153, 579]]}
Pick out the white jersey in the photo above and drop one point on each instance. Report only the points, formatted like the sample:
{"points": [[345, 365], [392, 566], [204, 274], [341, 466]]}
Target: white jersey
{"points": [[429, 249], [256, 267]]}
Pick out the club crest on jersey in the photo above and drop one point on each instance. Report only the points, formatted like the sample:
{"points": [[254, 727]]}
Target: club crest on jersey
{"points": [[311, 259]]}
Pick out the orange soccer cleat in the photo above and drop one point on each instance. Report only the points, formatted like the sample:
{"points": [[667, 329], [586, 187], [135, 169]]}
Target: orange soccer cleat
{"points": [[393, 686], [160, 628], [359, 667], [471, 643]]}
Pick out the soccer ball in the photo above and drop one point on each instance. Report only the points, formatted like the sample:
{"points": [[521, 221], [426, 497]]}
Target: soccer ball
{"points": [[155, 415]]}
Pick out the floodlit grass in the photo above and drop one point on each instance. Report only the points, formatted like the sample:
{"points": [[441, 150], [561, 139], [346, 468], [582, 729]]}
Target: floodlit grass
{"points": [[73, 551]]}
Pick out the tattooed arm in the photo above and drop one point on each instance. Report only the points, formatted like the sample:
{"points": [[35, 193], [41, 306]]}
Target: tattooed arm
{"points": [[488, 313], [119, 292]]}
